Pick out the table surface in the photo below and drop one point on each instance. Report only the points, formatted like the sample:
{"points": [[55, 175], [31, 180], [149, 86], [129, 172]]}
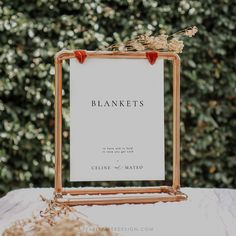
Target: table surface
{"points": [[206, 212]]}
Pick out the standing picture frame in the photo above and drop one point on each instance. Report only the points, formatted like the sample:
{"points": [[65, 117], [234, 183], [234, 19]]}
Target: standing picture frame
{"points": [[118, 195]]}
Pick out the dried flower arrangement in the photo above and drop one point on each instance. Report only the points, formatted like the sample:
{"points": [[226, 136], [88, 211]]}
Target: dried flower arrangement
{"points": [[57, 219], [161, 42]]}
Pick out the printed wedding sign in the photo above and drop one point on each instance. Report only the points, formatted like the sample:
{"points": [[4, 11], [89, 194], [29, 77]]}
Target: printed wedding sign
{"points": [[116, 120]]}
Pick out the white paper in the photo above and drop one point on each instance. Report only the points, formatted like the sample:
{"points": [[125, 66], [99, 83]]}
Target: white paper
{"points": [[116, 120]]}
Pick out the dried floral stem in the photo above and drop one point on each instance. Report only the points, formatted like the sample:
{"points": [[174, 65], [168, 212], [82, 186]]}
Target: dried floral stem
{"points": [[57, 219], [160, 42]]}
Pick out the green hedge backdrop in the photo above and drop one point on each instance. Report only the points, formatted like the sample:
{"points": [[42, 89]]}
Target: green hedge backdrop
{"points": [[31, 32]]}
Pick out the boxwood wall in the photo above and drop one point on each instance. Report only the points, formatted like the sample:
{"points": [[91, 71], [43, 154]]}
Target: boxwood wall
{"points": [[31, 32]]}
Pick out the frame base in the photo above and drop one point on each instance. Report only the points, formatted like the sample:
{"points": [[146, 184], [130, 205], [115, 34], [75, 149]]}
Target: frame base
{"points": [[125, 195]]}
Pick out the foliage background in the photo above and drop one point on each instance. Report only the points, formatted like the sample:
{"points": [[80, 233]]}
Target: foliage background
{"points": [[32, 32]]}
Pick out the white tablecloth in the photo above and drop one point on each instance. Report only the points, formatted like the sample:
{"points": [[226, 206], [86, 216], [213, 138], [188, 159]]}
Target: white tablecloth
{"points": [[206, 212]]}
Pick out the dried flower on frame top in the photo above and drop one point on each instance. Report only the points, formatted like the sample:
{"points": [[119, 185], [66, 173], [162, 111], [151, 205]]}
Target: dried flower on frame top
{"points": [[161, 42]]}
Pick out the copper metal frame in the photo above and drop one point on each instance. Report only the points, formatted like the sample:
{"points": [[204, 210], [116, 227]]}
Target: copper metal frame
{"points": [[126, 194]]}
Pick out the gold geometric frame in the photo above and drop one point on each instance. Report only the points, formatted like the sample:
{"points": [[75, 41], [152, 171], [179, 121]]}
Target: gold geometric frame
{"points": [[106, 196]]}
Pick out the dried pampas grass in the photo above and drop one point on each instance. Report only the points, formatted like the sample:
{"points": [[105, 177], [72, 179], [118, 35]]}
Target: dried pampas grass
{"points": [[57, 219], [161, 42]]}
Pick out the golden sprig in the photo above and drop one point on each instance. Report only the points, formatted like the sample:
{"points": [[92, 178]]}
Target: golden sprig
{"points": [[56, 219], [160, 42]]}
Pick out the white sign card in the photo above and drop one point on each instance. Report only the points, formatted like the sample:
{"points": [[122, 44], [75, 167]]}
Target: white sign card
{"points": [[116, 120]]}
